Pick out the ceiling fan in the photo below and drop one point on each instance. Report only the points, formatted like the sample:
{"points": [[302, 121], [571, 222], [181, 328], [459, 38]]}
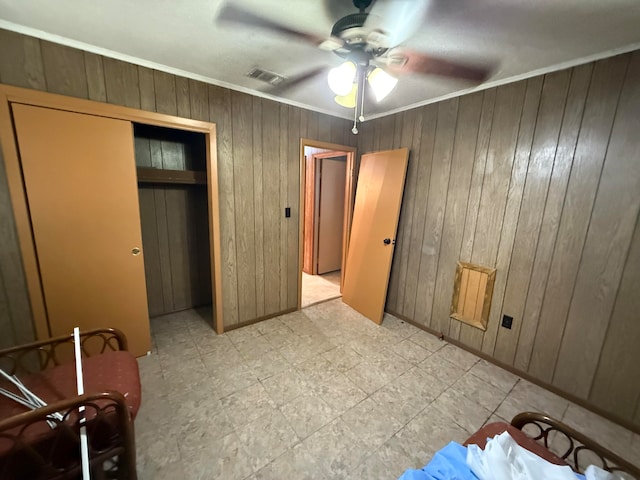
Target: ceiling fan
{"points": [[371, 44]]}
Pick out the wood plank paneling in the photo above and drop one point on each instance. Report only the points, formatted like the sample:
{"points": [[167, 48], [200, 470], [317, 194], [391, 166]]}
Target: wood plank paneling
{"points": [[151, 251], [65, 70], [427, 139], [512, 211], [477, 177], [456, 207], [543, 151], [611, 227], [21, 61], [593, 139], [618, 364], [199, 100], [183, 97], [271, 190], [176, 247], [94, 70], [147, 89], [436, 204], [395, 296], [121, 82], [220, 114], [15, 311], [165, 90], [242, 124], [258, 205], [556, 192], [282, 180], [293, 202], [497, 175]]}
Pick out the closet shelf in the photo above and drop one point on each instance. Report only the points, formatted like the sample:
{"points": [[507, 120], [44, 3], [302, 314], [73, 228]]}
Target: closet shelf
{"points": [[155, 175]]}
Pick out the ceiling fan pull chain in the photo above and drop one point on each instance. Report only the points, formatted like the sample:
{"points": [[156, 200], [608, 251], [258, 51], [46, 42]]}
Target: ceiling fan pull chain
{"points": [[362, 86]]}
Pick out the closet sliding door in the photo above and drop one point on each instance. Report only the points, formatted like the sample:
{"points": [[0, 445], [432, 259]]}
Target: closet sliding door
{"points": [[80, 180]]}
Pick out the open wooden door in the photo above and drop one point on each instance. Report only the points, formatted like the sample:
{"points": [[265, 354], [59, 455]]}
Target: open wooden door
{"points": [[80, 180], [375, 221]]}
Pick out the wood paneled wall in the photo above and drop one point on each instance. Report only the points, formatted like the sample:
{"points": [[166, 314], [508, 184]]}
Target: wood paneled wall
{"points": [[258, 165], [175, 238], [539, 179]]}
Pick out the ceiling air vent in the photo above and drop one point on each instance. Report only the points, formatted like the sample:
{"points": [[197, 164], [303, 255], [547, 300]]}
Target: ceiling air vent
{"points": [[266, 76]]}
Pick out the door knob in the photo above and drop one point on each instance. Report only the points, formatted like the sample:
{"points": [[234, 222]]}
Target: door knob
{"points": [[387, 241], [135, 251]]}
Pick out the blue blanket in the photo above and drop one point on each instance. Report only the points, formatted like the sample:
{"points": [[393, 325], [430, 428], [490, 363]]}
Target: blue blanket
{"points": [[449, 463]]}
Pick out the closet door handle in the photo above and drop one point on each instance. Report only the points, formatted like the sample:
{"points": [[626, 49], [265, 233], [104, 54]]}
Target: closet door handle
{"points": [[135, 251]]}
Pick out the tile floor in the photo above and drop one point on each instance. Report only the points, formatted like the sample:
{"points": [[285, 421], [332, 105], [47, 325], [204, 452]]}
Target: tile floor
{"points": [[318, 288], [322, 394]]}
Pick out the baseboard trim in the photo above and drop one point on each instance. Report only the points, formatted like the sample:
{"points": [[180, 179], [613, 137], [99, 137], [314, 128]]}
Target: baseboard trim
{"points": [[228, 328]]}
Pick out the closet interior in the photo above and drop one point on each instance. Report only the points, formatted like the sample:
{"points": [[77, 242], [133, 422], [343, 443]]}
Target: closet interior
{"points": [[174, 213]]}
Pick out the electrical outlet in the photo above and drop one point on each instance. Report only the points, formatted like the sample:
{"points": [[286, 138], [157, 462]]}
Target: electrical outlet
{"points": [[507, 321], [287, 212]]}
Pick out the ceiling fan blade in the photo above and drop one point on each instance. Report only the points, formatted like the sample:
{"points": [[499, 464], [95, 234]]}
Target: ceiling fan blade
{"points": [[396, 20], [408, 61], [234, 14], [294, 81]]}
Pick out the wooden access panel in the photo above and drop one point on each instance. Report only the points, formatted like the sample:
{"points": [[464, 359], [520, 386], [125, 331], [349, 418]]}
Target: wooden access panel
{"points": [[80, 181], [331, 189], [375, 221]]}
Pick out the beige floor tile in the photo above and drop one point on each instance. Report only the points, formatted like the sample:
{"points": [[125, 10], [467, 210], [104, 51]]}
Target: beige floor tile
{"points": [[368, 376], [445, 371], [168, 471], [245, 406], [371, 422], [527, 397], [254, 349], [401, 403], [268, 364], [411, 351], [387, 462], [467, 413], [285, 386], [220, 458], [232, 379], [480, 391], [457, 356], [427, 341], [266, 438], [343, 357], [336, 449], [422, 383], [307, 414], [296, 463], [244, 334], [428, 433], [340, 393], [494, 375], [317, 370]]}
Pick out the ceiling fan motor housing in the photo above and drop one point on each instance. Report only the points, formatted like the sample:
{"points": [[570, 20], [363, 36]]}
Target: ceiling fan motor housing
{"points": [[356, 47]]}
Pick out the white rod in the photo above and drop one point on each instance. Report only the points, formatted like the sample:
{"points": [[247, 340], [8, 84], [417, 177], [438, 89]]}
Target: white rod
{"points": [[84, 446]]}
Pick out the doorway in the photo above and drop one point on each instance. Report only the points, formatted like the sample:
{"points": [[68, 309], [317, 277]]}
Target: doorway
{"points": [[326, 197]]}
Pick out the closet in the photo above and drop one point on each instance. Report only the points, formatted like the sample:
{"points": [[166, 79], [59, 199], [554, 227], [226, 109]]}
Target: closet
{"points": [[172, 190], [116, 213]]}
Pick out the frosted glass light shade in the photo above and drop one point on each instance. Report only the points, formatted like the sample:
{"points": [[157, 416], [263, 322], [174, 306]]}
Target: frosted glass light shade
{"points": [[348, 100], [341, 78], [381, 83]]}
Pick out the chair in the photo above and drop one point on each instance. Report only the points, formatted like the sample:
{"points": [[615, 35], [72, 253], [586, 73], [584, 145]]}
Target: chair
{"points": [[30, 448]]}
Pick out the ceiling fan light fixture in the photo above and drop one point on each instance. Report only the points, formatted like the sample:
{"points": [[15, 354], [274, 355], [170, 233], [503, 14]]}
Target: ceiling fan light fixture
{"points": [[348, 100], [381, 83], [341, 78]]}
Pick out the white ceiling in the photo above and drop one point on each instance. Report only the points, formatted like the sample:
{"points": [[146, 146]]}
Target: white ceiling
{"points": [[521, 37]]}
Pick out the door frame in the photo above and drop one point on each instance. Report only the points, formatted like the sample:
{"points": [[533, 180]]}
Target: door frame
{"points": [[9, 95], [348, 203]]}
